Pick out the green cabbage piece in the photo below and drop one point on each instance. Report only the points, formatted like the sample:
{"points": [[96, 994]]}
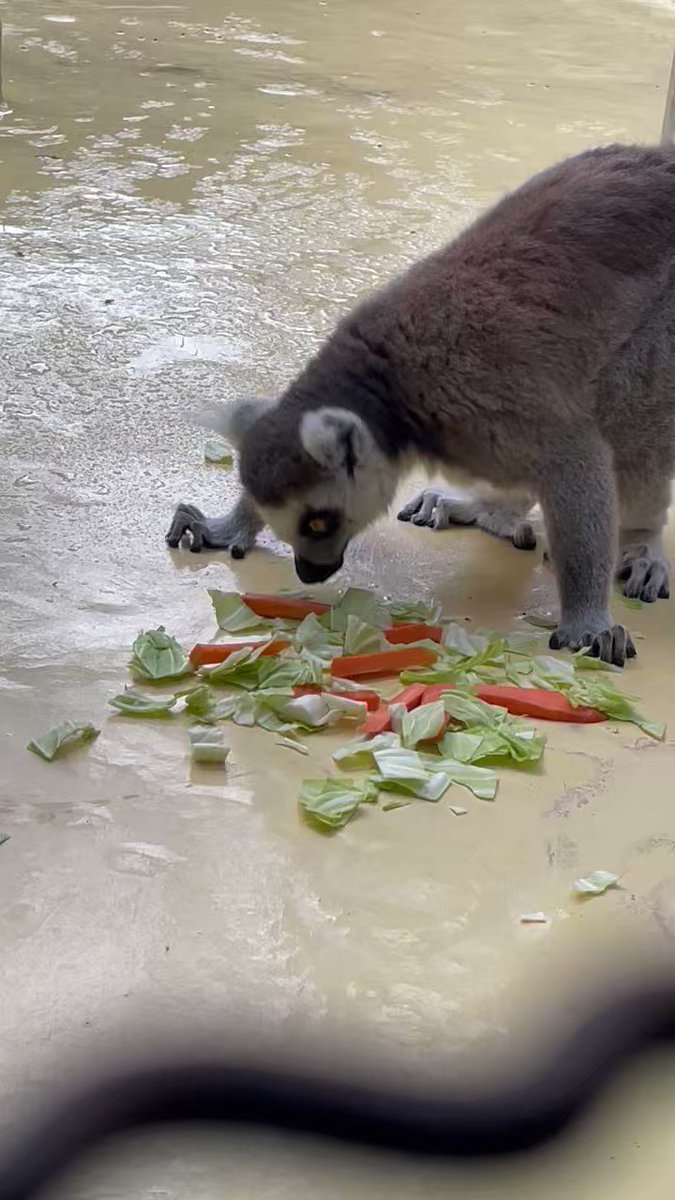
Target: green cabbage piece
{"points": [[502, 735], [61, 738], [442, 671], [458, 640], [510, 739], [596, 883], [361, 638], [576, 678], [601, 694], [422, 723], [247, 669], [218, 451], [541, 620], [469, 710], [333, 802], [480, 780], [132, 703], [428, 776], [414, 612], [406, 771], [316, 639], [207, 745], [290, 743], [358, 755], [234, 616], [202, 702], [464, 746], [314, 711], [157, 657], [357, 602], [630, 601], [583, 661]]}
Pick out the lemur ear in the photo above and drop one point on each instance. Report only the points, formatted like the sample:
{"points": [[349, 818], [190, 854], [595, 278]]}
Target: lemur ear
{"points": [[336, 439], [234, 420]]}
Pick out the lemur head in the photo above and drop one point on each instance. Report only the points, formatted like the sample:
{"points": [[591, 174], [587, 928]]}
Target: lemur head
{"points": [[316, 475]]}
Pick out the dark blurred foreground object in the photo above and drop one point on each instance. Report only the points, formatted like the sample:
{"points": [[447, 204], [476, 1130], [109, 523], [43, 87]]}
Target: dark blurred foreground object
{"points": [[524, 1116]]}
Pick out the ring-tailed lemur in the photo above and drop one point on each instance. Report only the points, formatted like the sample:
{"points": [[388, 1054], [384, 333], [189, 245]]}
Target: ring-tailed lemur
{"points": [[535, 354]]}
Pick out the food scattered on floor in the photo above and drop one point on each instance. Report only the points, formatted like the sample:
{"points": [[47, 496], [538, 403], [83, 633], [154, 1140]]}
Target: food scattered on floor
{"points": [[61, 738], [293, 666], [218, 453], [207, 745], [596, 883]]}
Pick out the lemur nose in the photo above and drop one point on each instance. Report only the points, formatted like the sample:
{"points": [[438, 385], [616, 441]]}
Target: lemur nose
{"points": [[310, 572]]}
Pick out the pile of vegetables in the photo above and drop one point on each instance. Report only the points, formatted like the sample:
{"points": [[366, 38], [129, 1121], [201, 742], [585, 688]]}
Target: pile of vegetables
{"points": [[294, 666]]}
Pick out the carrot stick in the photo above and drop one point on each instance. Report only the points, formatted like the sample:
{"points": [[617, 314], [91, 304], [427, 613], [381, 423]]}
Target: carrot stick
{"points": [[434, 691], [536, 703], [377, 722], [285, 607], [410, 697], [402, 635], [387, 662], [380, 720], [207, 653]]}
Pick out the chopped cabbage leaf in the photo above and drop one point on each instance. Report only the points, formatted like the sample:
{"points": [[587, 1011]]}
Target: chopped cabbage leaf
{"points": [[157, 657], [62, 737], [207, 745], [217, 451], [596, 883], [132, 703], [333, 802]]}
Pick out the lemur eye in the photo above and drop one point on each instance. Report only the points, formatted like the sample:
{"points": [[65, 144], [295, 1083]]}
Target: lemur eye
{"points": [[319, 523]]}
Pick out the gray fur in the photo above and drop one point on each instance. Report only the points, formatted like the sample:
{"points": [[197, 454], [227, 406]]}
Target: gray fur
{"points": [[535, 353], [335, 439], [236, 532], [235, 420]]}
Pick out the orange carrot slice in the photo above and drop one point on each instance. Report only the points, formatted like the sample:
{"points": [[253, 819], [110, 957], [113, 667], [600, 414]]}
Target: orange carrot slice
{"points": [[285, 607], [536, 703], [387, 662], [208, 653], [380, 720], [402, 635]]}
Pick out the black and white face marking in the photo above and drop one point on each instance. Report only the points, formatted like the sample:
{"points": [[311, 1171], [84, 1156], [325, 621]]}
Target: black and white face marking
{"points": [[358, 485], [319, 523], [320, 529]]}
